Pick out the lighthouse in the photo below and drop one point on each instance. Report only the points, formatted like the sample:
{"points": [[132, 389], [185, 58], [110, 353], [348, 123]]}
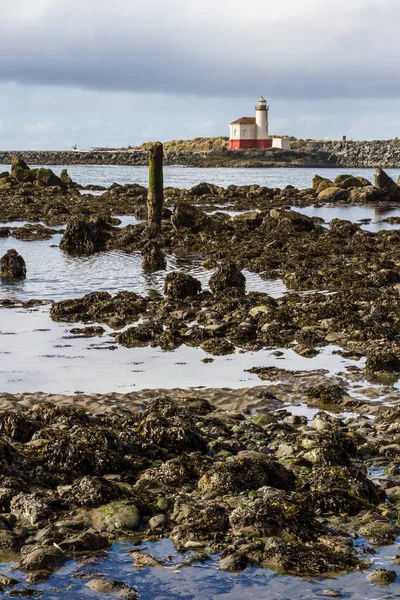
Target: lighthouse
{"points": [[247, 133], [262, 121]]}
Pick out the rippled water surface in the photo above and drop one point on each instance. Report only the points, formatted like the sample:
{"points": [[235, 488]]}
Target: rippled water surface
{"points": [[186, 177], [206, 582]]}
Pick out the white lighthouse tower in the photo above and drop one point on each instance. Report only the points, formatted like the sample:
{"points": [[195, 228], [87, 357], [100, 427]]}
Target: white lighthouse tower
{"points": [[262, 120]]}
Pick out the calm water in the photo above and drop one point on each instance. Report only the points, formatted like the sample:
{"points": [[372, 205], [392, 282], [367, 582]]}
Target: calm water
{"points": [[206, 582], [186, 177]]}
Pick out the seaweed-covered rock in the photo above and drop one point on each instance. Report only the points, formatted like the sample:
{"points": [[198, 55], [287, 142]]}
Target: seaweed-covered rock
{"points": [[91, 491], [153, 257], [347, 181], [179, 286], [187, 215], [46, 177], [115, 516], [65, 178], [12, 266], [275, 516], [247, 471], [328, 393], [86, 237], [334, 490], [43, 558], [139, 335], [165, 424], [382, 361], [287, 222], [227, 276]]}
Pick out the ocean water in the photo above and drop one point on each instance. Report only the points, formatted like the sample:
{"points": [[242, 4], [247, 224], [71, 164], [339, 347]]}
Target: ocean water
{"points": [[186, 177]]}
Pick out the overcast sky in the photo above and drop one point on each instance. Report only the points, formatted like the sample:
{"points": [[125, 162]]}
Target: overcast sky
{"points": [[118, 72]]}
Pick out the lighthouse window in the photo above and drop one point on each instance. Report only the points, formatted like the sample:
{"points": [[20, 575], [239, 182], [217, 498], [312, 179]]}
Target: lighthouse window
{"points": [[235, 132], [244, 132]]}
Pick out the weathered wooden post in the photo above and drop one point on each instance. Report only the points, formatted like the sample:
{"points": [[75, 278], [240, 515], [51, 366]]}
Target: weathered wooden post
{"points": [[155, 195]]}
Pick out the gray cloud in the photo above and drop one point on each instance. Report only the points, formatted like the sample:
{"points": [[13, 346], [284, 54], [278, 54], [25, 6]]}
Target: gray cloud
{"points": [[309, 49]]}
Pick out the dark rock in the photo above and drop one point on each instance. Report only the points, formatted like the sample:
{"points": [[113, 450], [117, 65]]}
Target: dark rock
{"points": [[247, 471], [12, 266], [42, 558], [386, 183], [227, 276], [382, 576], [187, 215], [86, 237], [88, 541], [179, 286], [382, 361], [153, 257]]}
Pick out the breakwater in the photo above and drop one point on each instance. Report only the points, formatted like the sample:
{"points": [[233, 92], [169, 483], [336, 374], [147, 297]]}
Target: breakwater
{"points": [[351, 154]]}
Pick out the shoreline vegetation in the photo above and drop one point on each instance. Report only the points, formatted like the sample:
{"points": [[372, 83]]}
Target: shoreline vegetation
{"points": [[213, 152]]}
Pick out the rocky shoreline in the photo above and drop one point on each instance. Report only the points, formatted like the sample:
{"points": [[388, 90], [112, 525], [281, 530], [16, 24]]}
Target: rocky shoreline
{"points": [[239, 474], [327, 154]]}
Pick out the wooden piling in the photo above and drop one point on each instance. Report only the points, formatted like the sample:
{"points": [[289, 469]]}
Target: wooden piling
{"points": [[155, 196]]}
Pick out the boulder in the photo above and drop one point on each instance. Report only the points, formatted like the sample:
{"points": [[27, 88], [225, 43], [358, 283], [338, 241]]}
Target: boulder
{"points": [[347, 181], [42, 558], [31, 508], [86, 236], [227, 276], [366, 194], [179, 286], [116, 516], [386, 183], [20, 170], [288, 222], [12, 266], [47, 178], [246, 471], [382, 576], [204, 189], [107, 586], [87, 541], [187, 215], [382, 361], [65, 178], [318, 180], [333, 194]]}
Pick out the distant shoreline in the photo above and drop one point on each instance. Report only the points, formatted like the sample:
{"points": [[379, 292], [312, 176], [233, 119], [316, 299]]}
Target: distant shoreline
{"points": [[385, 154]]}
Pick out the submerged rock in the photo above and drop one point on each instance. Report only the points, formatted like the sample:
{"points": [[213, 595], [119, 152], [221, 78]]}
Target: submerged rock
{"points": [[382, 576], [107, 586], [12, 266], [153, 257], [86, 237], [227, 277], [179, 286]]}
